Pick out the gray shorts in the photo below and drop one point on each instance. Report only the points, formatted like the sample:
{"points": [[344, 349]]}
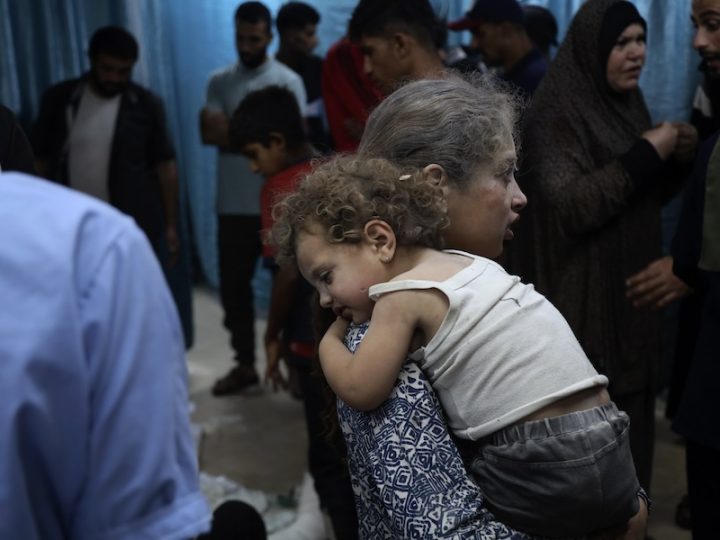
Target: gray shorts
{"points": [[563, 477]]}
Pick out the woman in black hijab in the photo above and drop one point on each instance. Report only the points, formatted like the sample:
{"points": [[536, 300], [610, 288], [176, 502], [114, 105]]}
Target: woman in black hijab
{"points": [[596, 173]]}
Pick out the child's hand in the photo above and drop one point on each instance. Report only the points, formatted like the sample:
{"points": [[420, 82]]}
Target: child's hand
{"points": [[274, 352], [332, 340], [338, 328]]}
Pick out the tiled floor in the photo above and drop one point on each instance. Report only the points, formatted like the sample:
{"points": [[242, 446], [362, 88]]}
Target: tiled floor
{"points": [[258, 439]]}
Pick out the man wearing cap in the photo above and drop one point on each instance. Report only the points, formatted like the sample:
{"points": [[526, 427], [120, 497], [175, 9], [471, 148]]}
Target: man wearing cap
{"points": [[497, 28]]}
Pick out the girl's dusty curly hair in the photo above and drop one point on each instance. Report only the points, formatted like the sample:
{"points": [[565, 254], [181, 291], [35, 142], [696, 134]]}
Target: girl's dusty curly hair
{"points": [[343, 194]]}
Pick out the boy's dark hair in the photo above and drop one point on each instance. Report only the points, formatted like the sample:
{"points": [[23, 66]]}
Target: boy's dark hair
{"points": [[295, 16], [254, 12], [113, 41], [380, 18], [274, 109]]}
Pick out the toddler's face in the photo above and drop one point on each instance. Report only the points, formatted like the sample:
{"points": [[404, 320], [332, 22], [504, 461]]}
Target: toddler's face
{"points": [[341, 272]]}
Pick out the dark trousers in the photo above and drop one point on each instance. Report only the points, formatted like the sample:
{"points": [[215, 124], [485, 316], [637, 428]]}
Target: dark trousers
{"points": [[326, 459], [703, 477], [238, 251]]}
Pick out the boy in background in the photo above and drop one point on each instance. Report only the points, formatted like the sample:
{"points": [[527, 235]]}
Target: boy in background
{"points": [[268, 129]]}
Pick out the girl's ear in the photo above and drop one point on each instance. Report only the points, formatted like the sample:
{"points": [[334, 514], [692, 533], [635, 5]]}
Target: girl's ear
{"points": [[436, 174], [381, 237]]}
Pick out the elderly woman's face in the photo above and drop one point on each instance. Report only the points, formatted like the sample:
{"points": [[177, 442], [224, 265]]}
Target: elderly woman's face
{"points": [[482, 212], [626, 59]]}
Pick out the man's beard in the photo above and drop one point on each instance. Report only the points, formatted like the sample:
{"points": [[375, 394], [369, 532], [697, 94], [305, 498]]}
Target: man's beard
{"points": [[107, 89], [712, 73], [252, 61]]}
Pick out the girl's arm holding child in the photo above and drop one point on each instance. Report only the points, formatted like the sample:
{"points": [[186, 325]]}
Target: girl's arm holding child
{"points": [[365, 379]]}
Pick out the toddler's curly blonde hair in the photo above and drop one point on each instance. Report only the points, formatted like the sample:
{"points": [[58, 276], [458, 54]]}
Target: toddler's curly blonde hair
{"points": [[343, 194]]}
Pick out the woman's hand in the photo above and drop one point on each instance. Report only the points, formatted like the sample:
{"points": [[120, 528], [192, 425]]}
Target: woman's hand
{"points": [[687, 142], [664, 139], [635, 529], [655, 286]]}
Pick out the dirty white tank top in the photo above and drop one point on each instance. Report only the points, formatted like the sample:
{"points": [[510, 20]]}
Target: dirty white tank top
{"points": [[502, 352]]}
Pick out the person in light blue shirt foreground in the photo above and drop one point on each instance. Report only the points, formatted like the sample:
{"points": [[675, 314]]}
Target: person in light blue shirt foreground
{"points": [[94, 424]]}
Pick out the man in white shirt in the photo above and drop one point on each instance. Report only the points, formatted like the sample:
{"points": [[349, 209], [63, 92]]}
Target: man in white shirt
{"points": [[99, 132], [238, 187], [106, 136]]}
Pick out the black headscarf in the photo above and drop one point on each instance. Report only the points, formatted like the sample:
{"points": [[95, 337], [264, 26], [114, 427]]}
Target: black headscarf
{"points": [[586, 227], [617, 18], [576, 90]]}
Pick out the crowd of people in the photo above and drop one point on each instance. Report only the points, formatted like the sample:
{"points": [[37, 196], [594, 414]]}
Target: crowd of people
{"points": [[475, 387]]}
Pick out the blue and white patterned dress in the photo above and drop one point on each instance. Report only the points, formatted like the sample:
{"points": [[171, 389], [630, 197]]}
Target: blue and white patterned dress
{"points": [[407, 475]]}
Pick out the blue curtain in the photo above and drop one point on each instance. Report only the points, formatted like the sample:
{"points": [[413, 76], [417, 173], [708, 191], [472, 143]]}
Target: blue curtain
{"points": [[183, 41]]}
